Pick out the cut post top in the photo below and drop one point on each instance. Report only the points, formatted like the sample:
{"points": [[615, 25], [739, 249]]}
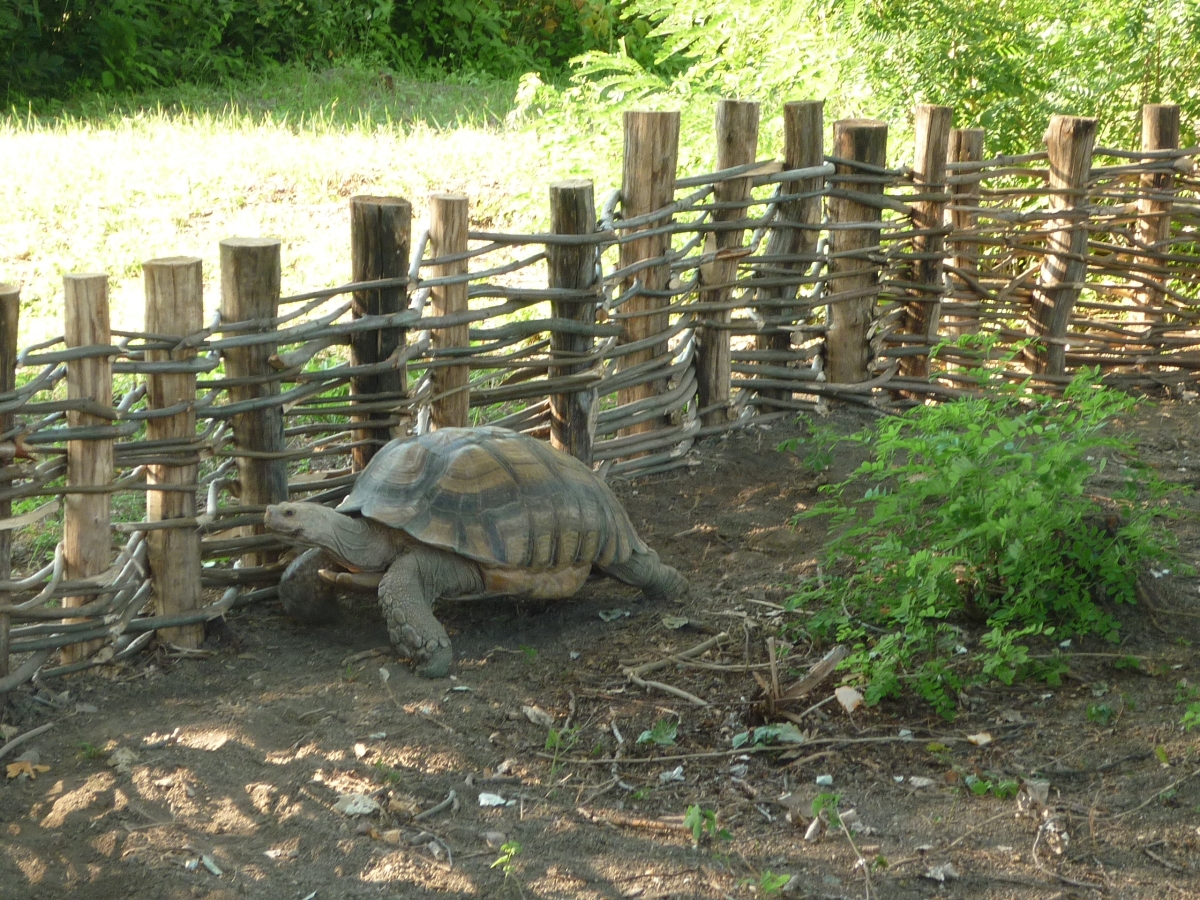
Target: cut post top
{"points": [[379, 200], [571, 184], [171, 262], [237, 242]]}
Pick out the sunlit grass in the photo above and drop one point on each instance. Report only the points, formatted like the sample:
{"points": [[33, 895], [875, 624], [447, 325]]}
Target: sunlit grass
{"points": [[104, 187]]}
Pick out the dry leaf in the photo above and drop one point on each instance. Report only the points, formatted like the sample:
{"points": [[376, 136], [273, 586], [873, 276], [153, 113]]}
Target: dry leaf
{"points": [[980, 740], [818, 673], [405, 807], [25, 767], [391, 836], [848, 697]]}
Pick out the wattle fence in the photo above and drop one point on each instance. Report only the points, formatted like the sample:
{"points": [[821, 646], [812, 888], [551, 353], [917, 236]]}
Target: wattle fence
{"points": [[679, 308]]}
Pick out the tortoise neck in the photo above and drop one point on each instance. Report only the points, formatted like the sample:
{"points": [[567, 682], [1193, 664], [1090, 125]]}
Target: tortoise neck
{"points": [[360, 543]]}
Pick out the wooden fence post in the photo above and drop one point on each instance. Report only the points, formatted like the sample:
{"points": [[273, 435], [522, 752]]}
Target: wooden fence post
{"points": [[647, 184], [803, 148], [1160, 131], [87, 538], [929, 177], [966, 145], [250, 274], [10, 316], [448, 224], [737, 145], [380, 236], [572, 266], [1070, 140], [853, 275], [175, 308]]}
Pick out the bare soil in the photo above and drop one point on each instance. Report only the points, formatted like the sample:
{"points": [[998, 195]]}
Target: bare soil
{"points": [[241, 754]]}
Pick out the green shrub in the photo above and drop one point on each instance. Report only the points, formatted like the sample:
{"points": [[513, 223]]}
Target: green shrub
{"points": [[973, 517]]}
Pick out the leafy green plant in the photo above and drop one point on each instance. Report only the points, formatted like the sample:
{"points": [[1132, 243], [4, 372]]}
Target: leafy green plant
{"points": [[386, 773], [559, 741], [973, 516], [661, 733], [1002, 789], [703, 825], [770, 884], [90, 751], [507, 860], [817, 446], [827, 803], [1191, 717], [1101, 714], [779, 733]]}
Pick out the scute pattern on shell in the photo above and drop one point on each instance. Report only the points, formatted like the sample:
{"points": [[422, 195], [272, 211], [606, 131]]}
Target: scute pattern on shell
{"points": [[497, 497]]}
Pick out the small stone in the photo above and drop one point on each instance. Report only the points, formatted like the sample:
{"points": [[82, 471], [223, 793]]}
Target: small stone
{"points": [[356, 805], [122, 759]]}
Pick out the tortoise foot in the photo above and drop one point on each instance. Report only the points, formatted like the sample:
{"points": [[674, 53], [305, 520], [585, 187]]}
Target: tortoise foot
{"points": [[437, 665]]}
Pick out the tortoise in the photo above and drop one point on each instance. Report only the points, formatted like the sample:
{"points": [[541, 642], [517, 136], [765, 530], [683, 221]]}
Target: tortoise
{"points": [[462, 513]]}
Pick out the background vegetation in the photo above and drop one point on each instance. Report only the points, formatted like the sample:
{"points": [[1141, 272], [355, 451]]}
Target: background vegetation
{"points": [[1007, 68], [273, 112]]}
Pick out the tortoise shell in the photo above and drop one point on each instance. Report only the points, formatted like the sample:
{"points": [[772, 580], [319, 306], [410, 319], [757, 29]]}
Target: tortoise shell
{"points": [[497, 497]]}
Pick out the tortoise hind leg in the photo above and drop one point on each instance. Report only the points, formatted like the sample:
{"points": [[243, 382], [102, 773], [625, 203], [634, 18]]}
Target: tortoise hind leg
{"points": [[415, 580], [645, 571]]}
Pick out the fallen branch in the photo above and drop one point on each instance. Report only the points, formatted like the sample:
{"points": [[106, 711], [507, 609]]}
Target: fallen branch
{"points": [[1166, 863], [434, 810], [613, 818], [1154, 796], [647, 668], [666, 688], [709, 754], [22, 738]]}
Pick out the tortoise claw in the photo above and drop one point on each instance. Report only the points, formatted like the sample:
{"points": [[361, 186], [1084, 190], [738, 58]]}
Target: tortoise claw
{"points": [[368, 582], [438, 664]]}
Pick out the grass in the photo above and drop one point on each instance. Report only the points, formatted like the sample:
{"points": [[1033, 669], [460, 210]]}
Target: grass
{"points": [[104, 185]]}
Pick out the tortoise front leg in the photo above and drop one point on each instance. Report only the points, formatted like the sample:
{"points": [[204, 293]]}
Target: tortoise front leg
{"points": [[414, 581], [307, 597]]}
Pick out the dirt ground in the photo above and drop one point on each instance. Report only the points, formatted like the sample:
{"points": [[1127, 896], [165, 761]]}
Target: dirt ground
{"points": [[219, 776]]}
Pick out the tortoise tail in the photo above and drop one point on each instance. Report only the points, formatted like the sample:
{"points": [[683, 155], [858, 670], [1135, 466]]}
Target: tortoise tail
{"points": [[645, 571]]}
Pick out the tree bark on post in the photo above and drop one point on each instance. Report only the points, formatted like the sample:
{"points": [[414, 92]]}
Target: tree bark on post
{"points": [[572, 266], [803, 148], [647, 184], [380, 236], [10, 316], [87, 537], [1160, 131], [174, 307], [448, 223], [853, 274], [737, 145], [966, 145], [1069, 140], [929, 220], [250, 275]]}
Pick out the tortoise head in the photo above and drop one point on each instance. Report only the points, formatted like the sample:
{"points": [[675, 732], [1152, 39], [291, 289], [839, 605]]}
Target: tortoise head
{"points": [[358, 543]]}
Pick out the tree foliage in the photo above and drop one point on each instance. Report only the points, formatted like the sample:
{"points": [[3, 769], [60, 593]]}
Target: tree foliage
{"points": [[48, 47], [1005, 66]]}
